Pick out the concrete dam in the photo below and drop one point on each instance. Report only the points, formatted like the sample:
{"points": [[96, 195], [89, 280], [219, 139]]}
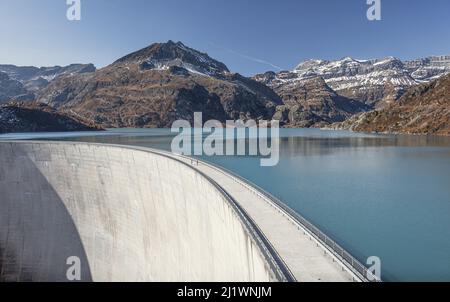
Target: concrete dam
{"points": [[117, 213], [128, 215]]}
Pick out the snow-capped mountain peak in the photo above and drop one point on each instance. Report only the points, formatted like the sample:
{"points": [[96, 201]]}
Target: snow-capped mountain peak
{"points": [[370, 81], [162, 56]]}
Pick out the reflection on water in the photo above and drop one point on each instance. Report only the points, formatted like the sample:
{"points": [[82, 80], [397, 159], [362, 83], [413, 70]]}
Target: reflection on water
{"points": [[310, 146], [377, 195]]}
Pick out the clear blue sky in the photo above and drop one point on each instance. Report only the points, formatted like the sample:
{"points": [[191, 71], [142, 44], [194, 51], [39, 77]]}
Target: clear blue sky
{"points": [[241, 33]]}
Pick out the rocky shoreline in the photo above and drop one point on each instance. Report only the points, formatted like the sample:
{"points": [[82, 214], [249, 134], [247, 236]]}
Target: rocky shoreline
{"points": [[424, 109], [32, 117]]}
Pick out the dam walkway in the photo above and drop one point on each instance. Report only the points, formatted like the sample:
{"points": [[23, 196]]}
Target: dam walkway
{"points": [[45, 173], [306, 257]]}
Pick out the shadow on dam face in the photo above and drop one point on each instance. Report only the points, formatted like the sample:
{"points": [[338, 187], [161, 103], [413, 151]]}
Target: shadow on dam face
{"points": [[37, 233], [127, 214]]}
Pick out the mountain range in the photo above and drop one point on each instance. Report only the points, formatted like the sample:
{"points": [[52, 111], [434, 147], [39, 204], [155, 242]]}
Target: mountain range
{"points": [[21, 83], [376, 82], [424, 109], [159, 84], [312, 103]]}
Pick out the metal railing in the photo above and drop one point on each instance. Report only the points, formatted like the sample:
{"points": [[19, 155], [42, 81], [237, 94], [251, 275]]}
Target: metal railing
{"points": [[350, 262], [278, 266], [275, 262]]}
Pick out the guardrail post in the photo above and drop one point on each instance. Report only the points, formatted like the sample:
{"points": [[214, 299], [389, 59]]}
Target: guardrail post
{"points": [[337, 252]]}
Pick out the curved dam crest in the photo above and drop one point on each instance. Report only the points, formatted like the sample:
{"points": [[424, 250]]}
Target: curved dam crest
{"points": [[127, 214]]}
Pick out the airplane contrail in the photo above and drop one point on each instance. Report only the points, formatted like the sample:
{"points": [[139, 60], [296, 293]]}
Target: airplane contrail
{"points": [[257, 60]]}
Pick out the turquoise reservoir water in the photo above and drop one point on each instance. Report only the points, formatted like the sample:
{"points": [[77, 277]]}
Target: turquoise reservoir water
{"points": [[385, 196]]}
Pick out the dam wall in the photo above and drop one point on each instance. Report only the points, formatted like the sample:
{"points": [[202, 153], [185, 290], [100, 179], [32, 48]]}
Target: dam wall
{"points": [[126, 214]]}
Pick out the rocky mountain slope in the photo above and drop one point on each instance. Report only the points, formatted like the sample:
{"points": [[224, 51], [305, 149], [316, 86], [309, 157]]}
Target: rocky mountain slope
{"points": [[31, 79], [424, 109], [310, 102], [157, 85], [376, 82], [32, 117], [12, 89], [164, 82]]}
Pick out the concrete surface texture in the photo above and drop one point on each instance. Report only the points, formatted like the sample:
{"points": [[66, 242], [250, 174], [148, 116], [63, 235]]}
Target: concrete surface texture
{"points": [[128, 215], [307, 259]]}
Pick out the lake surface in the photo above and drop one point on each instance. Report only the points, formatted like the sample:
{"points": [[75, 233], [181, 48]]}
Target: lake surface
{"points": [[377, 195]]}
